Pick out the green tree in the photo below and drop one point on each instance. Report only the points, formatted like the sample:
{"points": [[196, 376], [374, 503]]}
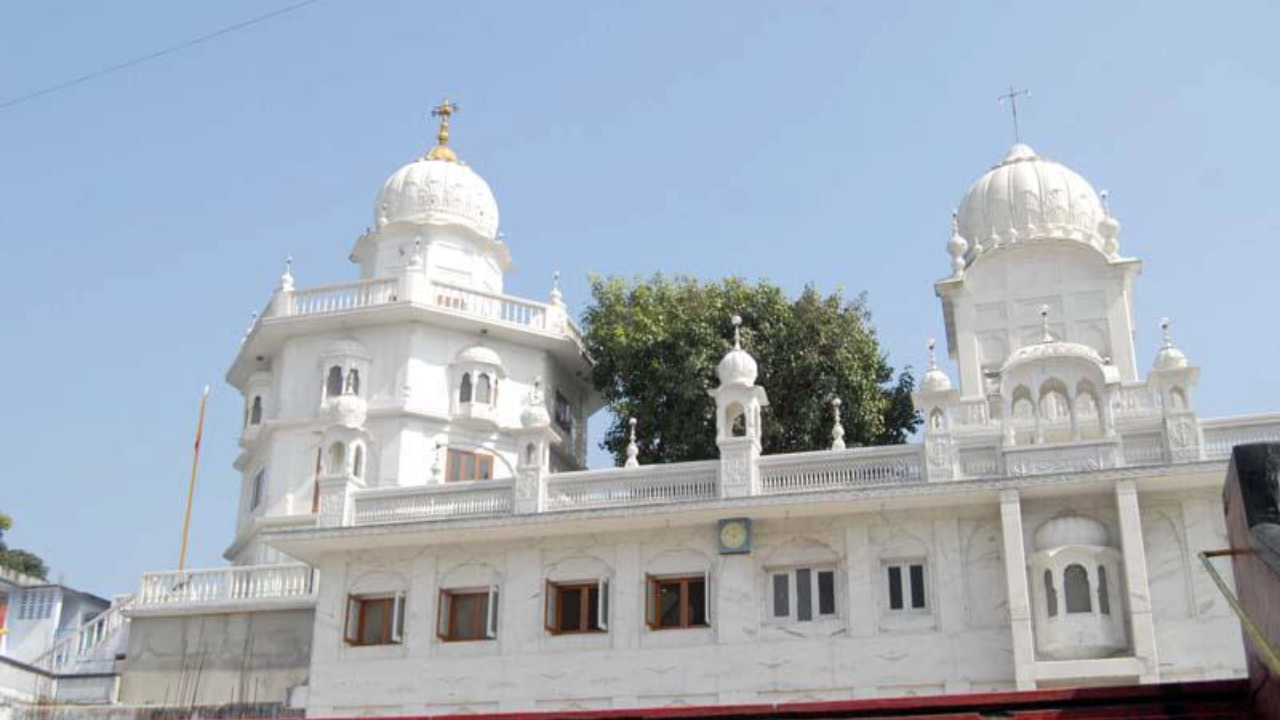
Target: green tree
{"points": [[19, 560], [656, 343]]}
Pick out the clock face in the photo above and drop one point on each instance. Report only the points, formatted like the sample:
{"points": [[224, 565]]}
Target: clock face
{"points": [[735, 535]]}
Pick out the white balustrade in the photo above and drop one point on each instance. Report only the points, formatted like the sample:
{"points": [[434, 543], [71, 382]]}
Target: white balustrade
{"points": [[337, 298], [1135, 401], [979, 462], [225, 585], [837, 469], [491, 306], [1222, 434], [970, 416], [622, 487], [1143, 448], [433, 502]]}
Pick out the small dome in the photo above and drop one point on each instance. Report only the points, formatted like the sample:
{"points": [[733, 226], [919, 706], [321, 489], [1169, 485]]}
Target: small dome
{"points": [[1050, 350], [479, 355], [935, 381], [1170, 358], [438, 192], [1026, 197], [737, 368], [1070, 530]]}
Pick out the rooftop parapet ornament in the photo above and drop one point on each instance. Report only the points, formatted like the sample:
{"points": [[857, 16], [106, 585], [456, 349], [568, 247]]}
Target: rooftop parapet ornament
{"points": [[1045, 335], [557, 298], [957, 246], [286, 280], [837, 430], [633, 450]]}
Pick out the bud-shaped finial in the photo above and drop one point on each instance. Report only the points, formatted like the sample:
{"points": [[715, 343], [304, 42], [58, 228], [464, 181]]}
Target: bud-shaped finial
{"points": [[1106, 206], [933, 355], [286, 280], [737, 338], [837, 430], [557, 298], [957, 246], [1045, 335], [633, 450], [1166, 333]]}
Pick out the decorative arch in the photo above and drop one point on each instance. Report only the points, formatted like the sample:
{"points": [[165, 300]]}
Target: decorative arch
{"points": [[255, 412], [464, 388], [334, 382], [1075, 584], [483, 389], [1050, 594], [337, 458], [735, 419]]}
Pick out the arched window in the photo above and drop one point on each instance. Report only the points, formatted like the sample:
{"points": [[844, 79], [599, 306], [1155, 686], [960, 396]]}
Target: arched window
{"points": [[1178, 399], [464, 390], [1050, 595], [736, 420], [337, 458], [255, 413], [482, 388], [333, 383], [358, 462], [529, 451], [1104, 602], [1076, 584], [937, 421], [353, 382]]}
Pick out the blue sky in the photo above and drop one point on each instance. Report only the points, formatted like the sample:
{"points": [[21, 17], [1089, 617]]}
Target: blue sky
{"points": [[146, 213]]}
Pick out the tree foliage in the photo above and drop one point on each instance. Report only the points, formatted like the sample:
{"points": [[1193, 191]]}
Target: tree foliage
{"points": [[656, 343], [19, 560]]}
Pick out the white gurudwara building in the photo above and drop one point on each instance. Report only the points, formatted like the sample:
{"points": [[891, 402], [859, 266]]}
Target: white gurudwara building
{"points": [[418, 532]]}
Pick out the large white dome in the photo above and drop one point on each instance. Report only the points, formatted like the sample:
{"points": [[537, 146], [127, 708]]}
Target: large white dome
{"points": [[1026, 197], [438, 192]]}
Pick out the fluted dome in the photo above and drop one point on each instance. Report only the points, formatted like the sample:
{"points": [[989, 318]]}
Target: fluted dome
{"points": [[1170, 358], [935, 380], [1026, 197], [1071, 530], [737, 368], [438, 192]]}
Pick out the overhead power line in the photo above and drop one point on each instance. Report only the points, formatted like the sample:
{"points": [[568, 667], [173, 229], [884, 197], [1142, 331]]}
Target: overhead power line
{"points": [[156, 55]]}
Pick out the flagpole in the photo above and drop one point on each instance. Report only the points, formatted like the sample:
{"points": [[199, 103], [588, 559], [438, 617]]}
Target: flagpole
{"points": [[191, 488]]}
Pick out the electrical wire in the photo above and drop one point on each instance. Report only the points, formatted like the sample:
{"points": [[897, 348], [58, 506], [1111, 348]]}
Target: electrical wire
{"points": [[155, 55]]}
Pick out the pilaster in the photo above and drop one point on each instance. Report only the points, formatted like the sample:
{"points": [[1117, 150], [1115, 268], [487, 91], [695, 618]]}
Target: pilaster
{"points": [[860, 579], [1137, 590], [739, 467], [1015, 569]]}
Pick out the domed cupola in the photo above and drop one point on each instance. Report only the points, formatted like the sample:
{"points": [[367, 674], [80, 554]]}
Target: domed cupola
{"points": [[1026, 197], [737, 367], [439, 189]]}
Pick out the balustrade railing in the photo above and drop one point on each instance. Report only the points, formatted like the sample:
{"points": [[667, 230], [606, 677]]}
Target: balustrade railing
{"points": [[1135, 401], [836, 469], [1143, 448], [620, 487], [1222, 434], [88, 648], [492, 306], [433, 502], [336, 298], [979, 462], [225, 585]]}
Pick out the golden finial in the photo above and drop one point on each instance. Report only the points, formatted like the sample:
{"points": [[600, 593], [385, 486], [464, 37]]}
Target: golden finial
{"points": [[442, 151]]}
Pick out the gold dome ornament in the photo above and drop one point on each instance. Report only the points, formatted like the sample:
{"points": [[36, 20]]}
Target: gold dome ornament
{"points": [[442, 151]]}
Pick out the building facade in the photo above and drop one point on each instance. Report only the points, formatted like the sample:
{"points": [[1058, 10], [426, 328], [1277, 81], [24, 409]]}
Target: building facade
{"points": [[418, 532]]}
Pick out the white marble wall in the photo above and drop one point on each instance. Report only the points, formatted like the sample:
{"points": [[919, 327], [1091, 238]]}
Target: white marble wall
{"points": [[866, 652]]}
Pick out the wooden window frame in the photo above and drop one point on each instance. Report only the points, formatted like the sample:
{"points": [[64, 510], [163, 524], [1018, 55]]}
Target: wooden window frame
{"points": [[551, 607], [653, 613], [481, 465], [392, 630], [485, 623]]}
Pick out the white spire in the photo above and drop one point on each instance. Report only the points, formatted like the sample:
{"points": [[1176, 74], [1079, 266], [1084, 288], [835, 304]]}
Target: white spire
{"points": [[286, 280], [557, 298], [1169, 357], [957, 246], [737, 338], [633, 450], [837, 430], [934, 379]]}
